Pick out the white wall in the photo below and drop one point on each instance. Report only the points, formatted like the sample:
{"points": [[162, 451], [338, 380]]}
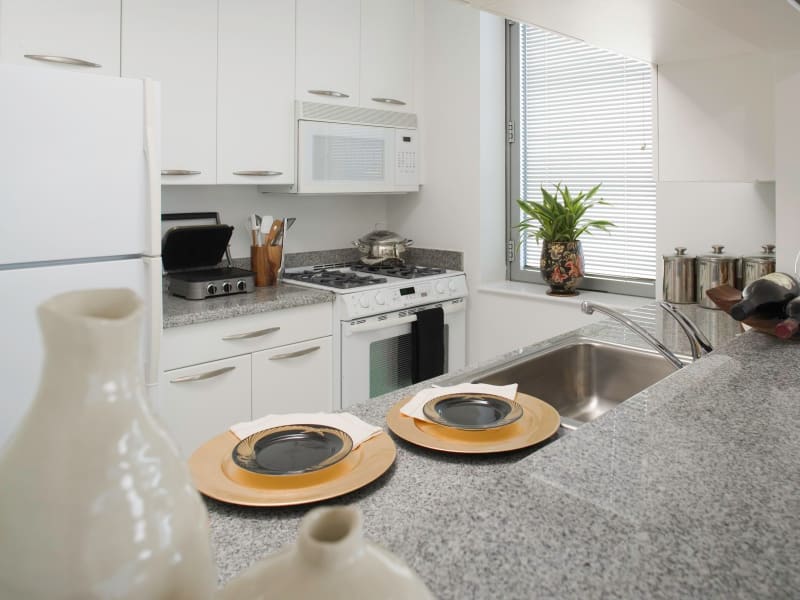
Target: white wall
{"points": [[787, 159], [716, 153], [323, 222]]}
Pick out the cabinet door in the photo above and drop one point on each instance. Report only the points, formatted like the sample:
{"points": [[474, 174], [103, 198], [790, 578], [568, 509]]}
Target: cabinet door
{"points": [[387, 54], [328, 39], [198, 403], [293, 378], [255, 139], [65, 34], [175, 42]]}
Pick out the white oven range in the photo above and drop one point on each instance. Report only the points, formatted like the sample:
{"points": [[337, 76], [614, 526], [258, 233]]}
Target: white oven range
{"points": [[372, 315]]}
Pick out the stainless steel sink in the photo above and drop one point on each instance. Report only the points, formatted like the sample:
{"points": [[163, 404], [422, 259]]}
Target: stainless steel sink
{"points": [[582, 378]]}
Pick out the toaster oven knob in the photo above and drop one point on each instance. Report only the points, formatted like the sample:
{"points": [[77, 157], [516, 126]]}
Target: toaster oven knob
{"points": [[211, 289], [380, 298], [241, 285], [227, 287], [364, 301], [440, 289]]}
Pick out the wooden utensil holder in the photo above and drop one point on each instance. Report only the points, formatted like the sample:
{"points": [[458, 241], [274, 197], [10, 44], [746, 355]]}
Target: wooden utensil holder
{"points": [[274, 259], [259, 264]]}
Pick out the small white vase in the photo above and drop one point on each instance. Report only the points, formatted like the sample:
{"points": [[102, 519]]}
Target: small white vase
{"points": [[330, 560], [96, 502]]}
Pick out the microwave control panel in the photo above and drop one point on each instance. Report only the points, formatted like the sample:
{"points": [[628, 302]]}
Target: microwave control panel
{"points": [[405, 145]]}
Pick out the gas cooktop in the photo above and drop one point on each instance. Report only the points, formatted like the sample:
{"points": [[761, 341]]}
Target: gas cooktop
{"points": [[359, 275], [333, 278]]}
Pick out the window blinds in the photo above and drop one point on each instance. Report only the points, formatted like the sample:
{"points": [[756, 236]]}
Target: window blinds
{"points": [[586, 116]]}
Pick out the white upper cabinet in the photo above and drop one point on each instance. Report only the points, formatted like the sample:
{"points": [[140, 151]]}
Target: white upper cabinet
{"points": [[328, 40], [387, 54], [255, 114], [175, 42], [65, 34]]}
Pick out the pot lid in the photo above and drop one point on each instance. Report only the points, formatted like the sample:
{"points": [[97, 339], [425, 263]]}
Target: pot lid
{"points": [[717, 255], [680, 255], [382, 235]]}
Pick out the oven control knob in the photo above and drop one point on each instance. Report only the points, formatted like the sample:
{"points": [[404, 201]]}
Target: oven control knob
{"points": [[380, 298], [211, 289], [452, 285], [241, 285], [227, 287], [364, 301], [440, 289]]}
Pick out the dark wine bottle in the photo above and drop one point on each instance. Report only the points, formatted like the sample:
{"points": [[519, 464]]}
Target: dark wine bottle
{"points": [[766, 297], [789, 326]]}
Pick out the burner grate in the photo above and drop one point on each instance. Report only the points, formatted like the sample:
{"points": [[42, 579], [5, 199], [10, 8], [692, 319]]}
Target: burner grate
{"points": [[400, 271], [334, 279]]}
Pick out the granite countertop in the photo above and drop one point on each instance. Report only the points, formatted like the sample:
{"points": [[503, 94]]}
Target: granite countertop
{"points": [[688, 489], [179, 311]]}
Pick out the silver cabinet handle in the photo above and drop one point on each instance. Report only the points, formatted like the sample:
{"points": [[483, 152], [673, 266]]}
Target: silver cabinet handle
{"points": [[259, 173], [331, 93], [294, 354], [250, 334], [63, 60], [389, 101], [179, 172], [201, 376]]}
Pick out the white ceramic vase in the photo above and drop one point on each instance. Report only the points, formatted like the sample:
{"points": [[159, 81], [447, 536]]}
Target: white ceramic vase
{"points": [[330, 560], [95, 501]]}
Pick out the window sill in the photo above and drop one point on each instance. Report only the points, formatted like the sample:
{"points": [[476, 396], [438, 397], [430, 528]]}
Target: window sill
{"points": [[538, 293]]}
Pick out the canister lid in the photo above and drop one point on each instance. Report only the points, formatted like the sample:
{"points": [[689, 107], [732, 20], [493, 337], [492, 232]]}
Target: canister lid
{"points": [[716, 255], [680, 255], [767, 255]]}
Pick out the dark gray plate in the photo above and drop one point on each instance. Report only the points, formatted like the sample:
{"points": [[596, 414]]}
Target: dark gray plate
{"points": [[472, 411], [292, 449]]}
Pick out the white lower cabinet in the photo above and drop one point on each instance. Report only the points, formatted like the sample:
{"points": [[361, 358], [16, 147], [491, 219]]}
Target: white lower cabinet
{"points": [[199, 402], [293, 378]]}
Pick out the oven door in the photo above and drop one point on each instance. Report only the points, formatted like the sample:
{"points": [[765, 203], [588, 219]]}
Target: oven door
{"points": [[376, 351]]}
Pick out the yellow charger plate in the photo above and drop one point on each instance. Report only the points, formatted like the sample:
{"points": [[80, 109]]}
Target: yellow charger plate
{"points": [[216, 475], [539, 422]]}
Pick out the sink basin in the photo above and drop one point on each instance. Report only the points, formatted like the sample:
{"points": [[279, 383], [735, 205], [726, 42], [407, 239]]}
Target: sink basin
{"points": [[582, 378]]}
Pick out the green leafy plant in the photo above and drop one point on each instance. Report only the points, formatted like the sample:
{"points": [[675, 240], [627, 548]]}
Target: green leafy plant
{"points": [[559, 217]]}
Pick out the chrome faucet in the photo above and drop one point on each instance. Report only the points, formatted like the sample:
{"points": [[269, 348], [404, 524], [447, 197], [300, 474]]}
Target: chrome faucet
{"points": [[697, 339], [691, 330]]}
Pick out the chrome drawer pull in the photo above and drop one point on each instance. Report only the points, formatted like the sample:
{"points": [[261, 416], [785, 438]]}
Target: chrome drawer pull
{"points": [[259, 173], [201, 376], [389, 101], [250, 334], [179, 172], [331, 93], [63, 60], [294, 354]]}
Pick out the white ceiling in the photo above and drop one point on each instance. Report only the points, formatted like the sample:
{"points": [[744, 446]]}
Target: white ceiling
{"points": [[663, 31]]}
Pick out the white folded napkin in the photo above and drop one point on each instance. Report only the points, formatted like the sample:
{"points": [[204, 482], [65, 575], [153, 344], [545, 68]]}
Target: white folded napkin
{"points": [[357, 429], [413, 408]]}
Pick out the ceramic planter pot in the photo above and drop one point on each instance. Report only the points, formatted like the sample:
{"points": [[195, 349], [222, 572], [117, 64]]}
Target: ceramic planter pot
{"points": [[562, 267]]}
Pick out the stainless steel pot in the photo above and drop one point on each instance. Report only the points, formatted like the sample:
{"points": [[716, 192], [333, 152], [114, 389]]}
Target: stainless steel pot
{"points": [[679, 279], [381, 245], [713, 270], [755, 267]]}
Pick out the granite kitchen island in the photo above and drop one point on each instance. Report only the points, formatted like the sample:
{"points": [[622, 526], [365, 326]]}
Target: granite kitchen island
{"points": [[689, 489]]}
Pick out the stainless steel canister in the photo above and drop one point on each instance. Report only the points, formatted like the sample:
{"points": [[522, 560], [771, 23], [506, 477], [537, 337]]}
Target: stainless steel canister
{"points": [[755, 267], [713, 270], [679, 279]]}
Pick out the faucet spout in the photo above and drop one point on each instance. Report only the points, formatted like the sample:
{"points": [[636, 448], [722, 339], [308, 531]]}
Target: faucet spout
{"points": [[697, 339], [590, 307]]}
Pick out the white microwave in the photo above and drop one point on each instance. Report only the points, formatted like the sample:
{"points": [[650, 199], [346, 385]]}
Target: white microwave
{"points": [[346, 150]]}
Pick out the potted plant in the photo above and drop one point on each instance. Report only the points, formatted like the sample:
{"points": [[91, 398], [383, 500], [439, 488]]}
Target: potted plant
{"points": [[559, 221]]}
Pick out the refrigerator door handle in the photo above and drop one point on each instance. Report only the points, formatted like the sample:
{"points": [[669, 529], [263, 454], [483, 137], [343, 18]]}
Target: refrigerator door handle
{"points": [[152, 112]]}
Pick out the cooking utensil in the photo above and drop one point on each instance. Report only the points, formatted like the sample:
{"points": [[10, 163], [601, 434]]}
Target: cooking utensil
{"points": [[254, 225], [679, 277], [274, 230], [381, 245], [714, 270], [266, 223]]}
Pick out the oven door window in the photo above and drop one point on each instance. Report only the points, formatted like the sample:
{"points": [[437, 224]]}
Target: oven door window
{"points": [[390, 363]]}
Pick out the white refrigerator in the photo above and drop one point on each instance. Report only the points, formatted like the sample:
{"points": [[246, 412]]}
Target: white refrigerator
{"points": [[80, 200]]}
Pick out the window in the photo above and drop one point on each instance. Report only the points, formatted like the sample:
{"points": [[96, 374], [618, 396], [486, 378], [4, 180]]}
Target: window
{"points": [[583, 116]]}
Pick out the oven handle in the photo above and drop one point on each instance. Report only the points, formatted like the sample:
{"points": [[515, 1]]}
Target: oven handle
{"points": [[372, 326]]}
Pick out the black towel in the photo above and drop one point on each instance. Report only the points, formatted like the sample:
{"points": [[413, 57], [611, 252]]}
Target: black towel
{"points": [[427, 344]]}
